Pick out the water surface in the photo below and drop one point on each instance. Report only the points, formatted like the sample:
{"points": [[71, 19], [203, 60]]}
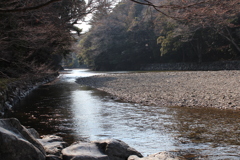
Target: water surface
{"points": [[81, 113]]}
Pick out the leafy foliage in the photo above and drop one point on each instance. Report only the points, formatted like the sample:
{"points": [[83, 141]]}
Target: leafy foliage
{"points": [[120, 40], [133, 34], [36, 35]]}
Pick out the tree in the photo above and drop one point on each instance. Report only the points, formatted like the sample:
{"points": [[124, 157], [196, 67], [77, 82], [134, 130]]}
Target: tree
{"points": [[120, 39], [219, 15], [186, 31], [13, 6], [36, 35]]}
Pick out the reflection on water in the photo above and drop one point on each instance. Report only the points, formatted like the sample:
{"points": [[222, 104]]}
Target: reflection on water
{"points": [[81, 113]]}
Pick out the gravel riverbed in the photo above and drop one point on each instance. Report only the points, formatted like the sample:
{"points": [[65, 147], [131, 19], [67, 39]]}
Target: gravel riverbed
{"points": [[219, 89]]}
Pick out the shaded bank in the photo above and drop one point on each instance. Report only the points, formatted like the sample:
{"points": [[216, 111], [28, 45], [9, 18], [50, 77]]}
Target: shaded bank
{"points": [[16, 89], [218, 89], [193, 66]]}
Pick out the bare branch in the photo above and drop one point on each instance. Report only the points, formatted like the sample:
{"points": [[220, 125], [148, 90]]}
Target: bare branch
{"points": [[204, 12], [28, 8]]}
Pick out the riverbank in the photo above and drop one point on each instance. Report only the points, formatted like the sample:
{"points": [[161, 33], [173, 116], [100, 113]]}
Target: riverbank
{"points": [[218, 89], [193, 66], [13, 90]]}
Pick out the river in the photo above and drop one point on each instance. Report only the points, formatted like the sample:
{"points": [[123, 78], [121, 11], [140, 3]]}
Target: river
{"points": [[76, 112]]}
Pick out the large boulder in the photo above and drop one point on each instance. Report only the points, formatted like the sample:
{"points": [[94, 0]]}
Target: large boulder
{"points": [[156, 156], [99, 150], [17, 143]]}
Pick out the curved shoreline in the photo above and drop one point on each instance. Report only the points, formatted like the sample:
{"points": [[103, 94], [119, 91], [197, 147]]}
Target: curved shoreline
{"points": [[21, 87], [218, 89]]}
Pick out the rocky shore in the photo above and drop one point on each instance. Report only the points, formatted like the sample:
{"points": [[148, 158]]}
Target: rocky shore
{"points": [[14, 91], [218, 89], [19, 143]]}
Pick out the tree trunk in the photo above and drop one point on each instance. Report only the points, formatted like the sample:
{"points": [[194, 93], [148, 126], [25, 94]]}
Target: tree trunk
{"points": [[230, 39], [199, 57], [199, 51]]}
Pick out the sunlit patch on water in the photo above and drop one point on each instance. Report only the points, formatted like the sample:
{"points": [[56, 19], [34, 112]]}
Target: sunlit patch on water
{"points": [[81, 113]]}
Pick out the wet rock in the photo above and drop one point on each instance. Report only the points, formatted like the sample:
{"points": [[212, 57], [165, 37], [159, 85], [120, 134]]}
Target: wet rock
{"points": [[8, 106], [34, 133], [99, 150], [53, 144], [156, 156], [17, 143], [116, 149], [83, 151], [53, 157]]}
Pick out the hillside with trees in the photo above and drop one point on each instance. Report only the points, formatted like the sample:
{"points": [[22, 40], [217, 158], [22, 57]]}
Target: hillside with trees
{"points": [[142, 32]]}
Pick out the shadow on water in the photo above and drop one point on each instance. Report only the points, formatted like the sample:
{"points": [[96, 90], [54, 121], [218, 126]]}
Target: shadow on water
{"points": [[81, 113]]}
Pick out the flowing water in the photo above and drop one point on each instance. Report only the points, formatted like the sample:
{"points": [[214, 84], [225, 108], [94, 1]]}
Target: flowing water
{"points": [[76, 112]]}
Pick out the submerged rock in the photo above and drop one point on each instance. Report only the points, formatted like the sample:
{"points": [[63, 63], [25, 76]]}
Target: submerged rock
{"points": [[99, 150], [17, 143], [156, 156]]}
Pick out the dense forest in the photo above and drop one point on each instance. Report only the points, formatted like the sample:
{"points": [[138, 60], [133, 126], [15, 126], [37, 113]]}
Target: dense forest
{"points": [[138, 32], [35, 36]]}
